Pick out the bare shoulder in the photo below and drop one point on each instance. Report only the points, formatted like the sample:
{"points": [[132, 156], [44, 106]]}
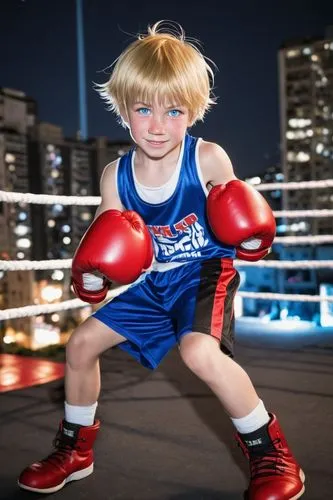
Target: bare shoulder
{"points": [[109, 172], [215, 164], [108, 188]]}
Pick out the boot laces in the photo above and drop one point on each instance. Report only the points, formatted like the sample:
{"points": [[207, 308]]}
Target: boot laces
{"points": [[268, 462], [63, 447]]}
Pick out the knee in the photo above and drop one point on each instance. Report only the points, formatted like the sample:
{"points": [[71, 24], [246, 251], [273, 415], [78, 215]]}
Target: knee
{"points": [[79, 349], [200, 352]]}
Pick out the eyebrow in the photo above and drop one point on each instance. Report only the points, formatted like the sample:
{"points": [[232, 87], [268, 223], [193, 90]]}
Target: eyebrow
{"points": [[142, 103], [172, 106], [175, 106]]}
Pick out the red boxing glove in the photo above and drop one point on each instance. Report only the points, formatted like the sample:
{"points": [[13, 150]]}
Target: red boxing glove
{"points": [[118, 246], [240, 216]]}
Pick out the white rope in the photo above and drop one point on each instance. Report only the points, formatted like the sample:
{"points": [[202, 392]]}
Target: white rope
{"points": [[303, 213], [29, 265], [47, 199], [22, 312], [25, 311], [287, 264], [289, 186], [286, 296], [302, 240]]}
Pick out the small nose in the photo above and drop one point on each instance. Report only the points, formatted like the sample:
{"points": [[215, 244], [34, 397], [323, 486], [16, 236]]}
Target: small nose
{"points": [[156, 126]]}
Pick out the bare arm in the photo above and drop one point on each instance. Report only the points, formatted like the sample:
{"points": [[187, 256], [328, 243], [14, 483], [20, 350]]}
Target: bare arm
{"points": [[108, 189], [215, 164]]}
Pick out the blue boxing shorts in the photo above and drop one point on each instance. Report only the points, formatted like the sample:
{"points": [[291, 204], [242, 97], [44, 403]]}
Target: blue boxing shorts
{"points": [[162, 306]]}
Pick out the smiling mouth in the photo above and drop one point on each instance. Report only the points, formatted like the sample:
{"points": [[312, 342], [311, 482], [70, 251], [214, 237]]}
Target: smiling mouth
{"points": [[156, 143]]}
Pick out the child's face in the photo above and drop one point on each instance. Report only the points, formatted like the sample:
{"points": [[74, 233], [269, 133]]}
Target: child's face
{"points": [[157, 129]]}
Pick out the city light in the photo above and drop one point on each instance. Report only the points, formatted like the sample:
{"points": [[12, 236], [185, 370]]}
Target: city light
{"points": [[23, 243], [57, 275], [10, 336], [44, 335], [51, 293], [326, 308], [21, 230]]}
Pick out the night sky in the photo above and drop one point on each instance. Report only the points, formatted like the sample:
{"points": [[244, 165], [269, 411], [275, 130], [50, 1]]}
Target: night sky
{"points": [[38, 56]]}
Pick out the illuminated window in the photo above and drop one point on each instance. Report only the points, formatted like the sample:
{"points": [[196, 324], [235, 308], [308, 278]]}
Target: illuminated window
{"points": [[10, 158], [22, 216], [51, 223], [86, 216], [23, 243], [57, 275], [293, 53], [21, 230]]}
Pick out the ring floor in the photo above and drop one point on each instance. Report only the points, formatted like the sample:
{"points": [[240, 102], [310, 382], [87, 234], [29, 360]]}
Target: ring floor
{"points": [[164, 435]]}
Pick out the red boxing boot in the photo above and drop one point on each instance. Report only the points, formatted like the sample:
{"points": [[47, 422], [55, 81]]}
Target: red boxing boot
{"points": [[275, 474], [71, 460]]}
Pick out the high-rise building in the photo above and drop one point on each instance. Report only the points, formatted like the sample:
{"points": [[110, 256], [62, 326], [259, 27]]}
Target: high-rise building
{"points": [[106, 151], [72, 167], [306, 113], [64, 166], [61, 167], [36, 157], [17, 118]]}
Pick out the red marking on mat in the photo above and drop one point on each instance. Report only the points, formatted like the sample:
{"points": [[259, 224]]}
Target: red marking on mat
{"points": [[18, 372]]}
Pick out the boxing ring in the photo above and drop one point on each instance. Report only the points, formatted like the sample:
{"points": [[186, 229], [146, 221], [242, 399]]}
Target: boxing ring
{"points": [[41, 199], [163, 433]]}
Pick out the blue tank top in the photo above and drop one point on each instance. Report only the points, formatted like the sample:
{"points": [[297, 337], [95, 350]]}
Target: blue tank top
{"points": [[179, 225]]}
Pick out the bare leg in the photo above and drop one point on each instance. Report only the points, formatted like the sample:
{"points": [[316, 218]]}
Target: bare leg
{"points": [[230, 383], [82, 376]]}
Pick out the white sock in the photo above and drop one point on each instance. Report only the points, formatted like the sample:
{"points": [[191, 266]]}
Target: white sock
{"points": [[81, 415], [253, 421]]}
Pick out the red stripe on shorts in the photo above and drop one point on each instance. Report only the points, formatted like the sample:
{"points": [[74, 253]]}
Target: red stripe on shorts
{"points": [[221, 293]]}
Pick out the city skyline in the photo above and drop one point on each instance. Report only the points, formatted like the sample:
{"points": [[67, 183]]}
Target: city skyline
{"points": [[242, 40]]}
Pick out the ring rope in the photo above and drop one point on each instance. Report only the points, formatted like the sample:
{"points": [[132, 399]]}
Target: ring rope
{"points": [[290, 186], [303, 213], [35, 310], [47, 199], [33, 265], [301, 240]]}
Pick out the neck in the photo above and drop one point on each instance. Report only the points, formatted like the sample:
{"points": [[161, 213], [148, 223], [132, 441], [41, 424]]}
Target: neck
{"points": [[166, 162]]}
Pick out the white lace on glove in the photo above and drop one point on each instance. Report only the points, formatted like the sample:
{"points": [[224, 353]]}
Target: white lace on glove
{"points": [[92, 282], [251, 244]]}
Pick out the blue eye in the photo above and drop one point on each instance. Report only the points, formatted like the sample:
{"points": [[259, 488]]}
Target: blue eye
{"points": [[174, 113], [143, 111]]}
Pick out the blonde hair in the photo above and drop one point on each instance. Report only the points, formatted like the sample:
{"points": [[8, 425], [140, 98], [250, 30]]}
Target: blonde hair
{"points": [[161, 64]]}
